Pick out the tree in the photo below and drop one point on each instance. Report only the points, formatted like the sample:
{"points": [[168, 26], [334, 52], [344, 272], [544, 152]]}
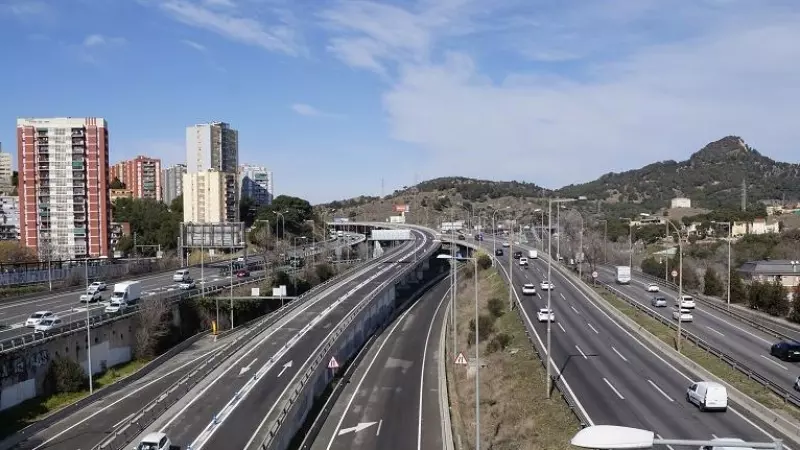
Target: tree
{"points": [[794, 315], [294, 212], [152, 326], [712, 285], [12, 252], [247, 211], [116, 184], [775, 298], [324, 272], [756, 295], [738, 289], [152, 221], [64, 376], [176, 205], [15, 179]]}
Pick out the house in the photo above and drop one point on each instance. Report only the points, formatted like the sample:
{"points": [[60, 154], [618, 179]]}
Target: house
{"points": [[681, 202], [785, 271]]}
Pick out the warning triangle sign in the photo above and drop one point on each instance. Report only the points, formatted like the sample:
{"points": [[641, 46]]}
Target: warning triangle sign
{"points": [[333, 364], [461, 360]]}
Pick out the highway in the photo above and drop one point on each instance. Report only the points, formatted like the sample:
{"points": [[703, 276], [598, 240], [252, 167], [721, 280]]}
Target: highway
{"points": [[743, 342], [68, 307], [392, 400], [615, 377], [262, 370]]}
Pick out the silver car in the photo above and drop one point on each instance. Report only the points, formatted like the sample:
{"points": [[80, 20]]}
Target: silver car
{"points": [[659, 302]]}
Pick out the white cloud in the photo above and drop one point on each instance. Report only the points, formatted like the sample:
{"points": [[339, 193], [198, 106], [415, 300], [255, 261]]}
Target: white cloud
{"points": [[22, 8], [98, 40], [277, 38], [310, 111], [219, 3], [645, 82], [194, 45]]}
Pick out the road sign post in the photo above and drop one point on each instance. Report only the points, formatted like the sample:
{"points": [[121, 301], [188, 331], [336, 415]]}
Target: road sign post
{"points": [[674, 275], [461, 360], [594, 277], [333, 364]]}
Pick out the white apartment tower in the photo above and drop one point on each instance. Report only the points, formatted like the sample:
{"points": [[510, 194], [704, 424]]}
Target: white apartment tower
{"points": [[212, 147]]}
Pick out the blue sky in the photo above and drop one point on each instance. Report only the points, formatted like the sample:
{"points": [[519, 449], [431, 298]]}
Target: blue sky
{"points": [[335, 96]]}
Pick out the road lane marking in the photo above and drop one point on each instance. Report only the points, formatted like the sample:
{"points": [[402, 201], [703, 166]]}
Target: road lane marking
{"points": [[774, 362], [562, 295], [573, 308], [560, 326], [716, 331], [593, 328], [619, 354], [613, 389], [422, 371], [668, 446], [655, 386], [378, 431], [581, 352]]}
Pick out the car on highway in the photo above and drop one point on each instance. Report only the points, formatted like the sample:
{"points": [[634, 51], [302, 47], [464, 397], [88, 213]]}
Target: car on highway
{"points": [[506, 244], [181, 275], [722, 446], [37, 317], [154, 441], [244, 273], [523, 262], [188, 284], [796, 384], [786, 350], [652, 287], [91, 297], [48, 325], [517, 255], [685, 315], [116, 306], [546, 285], [687, 302], [545, 315], [659, 301], [98, 286], [528, 289], [708, 395], [240, 259], [498, 252]]}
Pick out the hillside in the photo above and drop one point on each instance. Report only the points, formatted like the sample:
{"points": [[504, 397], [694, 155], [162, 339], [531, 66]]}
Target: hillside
{"points": [[711, 177]]}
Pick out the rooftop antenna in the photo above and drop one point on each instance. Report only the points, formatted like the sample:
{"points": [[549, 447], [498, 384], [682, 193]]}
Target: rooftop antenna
{"points": [[744, 194]]}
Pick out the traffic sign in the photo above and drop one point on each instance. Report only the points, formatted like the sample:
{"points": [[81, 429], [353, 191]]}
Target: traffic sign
{"points": [[674, 273], [461, 360], [594, 274], [333, 364]]}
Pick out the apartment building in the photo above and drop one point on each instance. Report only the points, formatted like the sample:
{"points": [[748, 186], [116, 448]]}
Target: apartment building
{"points": [[9, 218], [205, 199], [787, 272], [141, 176], [214, 147], [255, 183], [172, 182], [65, 211], [6, 170]]}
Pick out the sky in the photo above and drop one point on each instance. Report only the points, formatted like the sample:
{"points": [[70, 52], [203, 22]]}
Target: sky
{"points": [[341, 98]]}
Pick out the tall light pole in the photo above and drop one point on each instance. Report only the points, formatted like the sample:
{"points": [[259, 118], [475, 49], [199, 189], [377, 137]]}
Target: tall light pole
{"points": [[630, 240], [494, 231], [730, 238], [549, 290], [88, 329], [477, 349], [680, 283], [579, 259], [615, 437], [605, 239], [231, 289]]}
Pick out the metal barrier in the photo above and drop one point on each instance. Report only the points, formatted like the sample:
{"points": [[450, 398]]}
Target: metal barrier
{"points": [[785, 394], [148, 414]]}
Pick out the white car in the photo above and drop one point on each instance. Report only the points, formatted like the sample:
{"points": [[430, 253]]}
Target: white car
{"points": [[684, 316], [186, 285], [687, 302], [116, 306], [91, 296], [240, 259], [545, 315], [652, 287], [48, 325], [506, 244], [37, 317], [546, 286], [97, 286], [523, 261], [154, 441], [528, 289], [659, 302]]}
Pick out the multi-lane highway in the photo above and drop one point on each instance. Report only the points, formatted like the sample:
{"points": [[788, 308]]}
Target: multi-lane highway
{"points": [[616, 379], [67, 305], [393, 398], [739, 340], [219, 413]]}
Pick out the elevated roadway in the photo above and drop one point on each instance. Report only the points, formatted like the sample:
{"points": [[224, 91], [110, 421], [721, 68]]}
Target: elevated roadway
{"points": [[615, 377], [229, 408], [392, 400]]}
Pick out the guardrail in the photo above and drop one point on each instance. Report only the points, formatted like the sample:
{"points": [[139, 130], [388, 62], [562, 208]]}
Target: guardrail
{"points": [[765, 324], [148, 414], [785, 394], [541, 352], [316, 373]]}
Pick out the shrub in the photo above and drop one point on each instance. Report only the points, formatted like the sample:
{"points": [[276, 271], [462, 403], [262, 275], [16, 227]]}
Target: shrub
{"points": [[484, 261], [65, 375], [486, 325], [498, 343], [496, 307]]}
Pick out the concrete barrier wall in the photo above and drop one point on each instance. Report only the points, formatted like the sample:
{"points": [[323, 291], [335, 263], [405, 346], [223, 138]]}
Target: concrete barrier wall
{"points": [[22, 372]]}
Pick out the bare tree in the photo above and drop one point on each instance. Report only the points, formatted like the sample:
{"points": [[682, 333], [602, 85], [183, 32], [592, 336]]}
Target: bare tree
{"points": [[594, 248], [152, 322]]}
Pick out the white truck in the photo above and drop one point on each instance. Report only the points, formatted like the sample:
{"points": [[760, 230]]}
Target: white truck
{"points": [[533, 254], [128, 292], [623, 274]]}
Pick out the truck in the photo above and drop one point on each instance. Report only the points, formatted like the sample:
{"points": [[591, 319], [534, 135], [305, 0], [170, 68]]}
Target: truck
{"points": [[623, 274], [533, 254], [128, 292]]}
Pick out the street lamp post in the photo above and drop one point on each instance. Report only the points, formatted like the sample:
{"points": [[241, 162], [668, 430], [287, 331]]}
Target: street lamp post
{"points": [[730, 238], [549, 290], [605, 239], [680, 283], [477, 348], [494, 236], [88, 330], [615, 437]]}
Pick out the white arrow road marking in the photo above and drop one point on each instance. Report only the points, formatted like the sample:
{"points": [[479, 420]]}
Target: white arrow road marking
{"points": [[285, 366], [357, 428], [247, 367]]}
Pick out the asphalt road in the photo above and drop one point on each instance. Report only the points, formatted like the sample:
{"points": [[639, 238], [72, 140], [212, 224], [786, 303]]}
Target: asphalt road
{"points": [[275, 357], [392, 399], [741, 341], [617, 380], [67, 305]]}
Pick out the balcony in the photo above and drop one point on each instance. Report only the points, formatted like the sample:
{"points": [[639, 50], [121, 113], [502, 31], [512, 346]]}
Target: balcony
{"points": [[79, 199], [77, 165], [43, 149]]}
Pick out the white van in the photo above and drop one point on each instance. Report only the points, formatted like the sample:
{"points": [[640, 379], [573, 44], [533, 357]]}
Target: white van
{"points": [[708, 395], [181, 275], [533, 254]]}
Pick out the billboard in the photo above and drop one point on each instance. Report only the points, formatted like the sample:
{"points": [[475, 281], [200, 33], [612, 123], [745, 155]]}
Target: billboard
{"points": [[391, 235], [400, 208]]}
